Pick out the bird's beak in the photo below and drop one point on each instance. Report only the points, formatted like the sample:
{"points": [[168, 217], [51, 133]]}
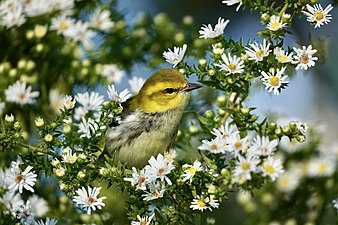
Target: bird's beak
{"points": [[191, 86]]}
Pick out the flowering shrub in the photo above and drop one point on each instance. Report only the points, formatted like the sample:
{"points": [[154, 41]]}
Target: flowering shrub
{"points": [[59, 55]]}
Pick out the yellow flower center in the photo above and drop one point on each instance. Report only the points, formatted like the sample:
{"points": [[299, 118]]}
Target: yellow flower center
{"points": [[275, 25], [259, 53], [269, 169], [201, 203], [274, 81], [192, 170], [283, 58], [232, 67], [238, 144], [245, 166], [63, 25], [319, 15], [322, 168], [304, 59]]}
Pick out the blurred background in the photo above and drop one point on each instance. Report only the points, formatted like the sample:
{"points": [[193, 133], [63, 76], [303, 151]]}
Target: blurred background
{"points": [[312, 95]]}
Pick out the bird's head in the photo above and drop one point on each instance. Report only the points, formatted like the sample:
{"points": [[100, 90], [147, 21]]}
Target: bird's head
{"points": [[165, 90]]}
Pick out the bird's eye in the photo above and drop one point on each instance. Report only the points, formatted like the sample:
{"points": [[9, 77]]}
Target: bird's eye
{"points": [[169, 90]]}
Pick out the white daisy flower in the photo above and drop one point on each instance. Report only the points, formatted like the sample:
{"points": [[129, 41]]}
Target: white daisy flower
{"points": [[233, 2], [262, 146], [226, 130], [217, 50], [17, 179], [208, 32], [159, 168], [176, 56], [114, 96], [275, 23], [237, 145], [146, 220], [39, 206], [156, 190], [24, 213], [13, 18], [87, 128], [302, 127], [79, 31], [202, 203], [49, 221], [288, 182], [191, 170], [90, 101], [321, 167], [61, 24], [62, 5], [290, 146], [112, 73], [140, 179], [335, 204], [274, 81], [317, 15], [245, 166], [68, 102], [12, 200], [257, 52], [100, 19], [214, 146], [37, 7], [282, 56], [2, 107], [272, 168], [55, 100], [87, 199], [68, 156], [21, 94], [232, 64], [135, 84], [304, 57]]}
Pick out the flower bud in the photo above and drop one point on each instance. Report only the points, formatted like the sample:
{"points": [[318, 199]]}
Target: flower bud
{"points": [[182, 71], [278, 131], [285, 129], [179, 37], [39, 47], [21, 64], [30, 65], [188, 20], [265, 18], [300, 138], [39, 122], [67, 128], [245, 110], [84, 71], [104, 171], [212, 189], [9, 118], [193, 129], [80, 175], [85, 63], [209, 114], [286, 17], [48, 138], [13, 72], [40, 31], [29, 34], [17, 125], [202, 62], [59, 172], [221, 112], [211, 72]]}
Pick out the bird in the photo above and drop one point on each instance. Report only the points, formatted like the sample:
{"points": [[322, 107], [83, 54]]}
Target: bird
{"points": [[150, 119]]}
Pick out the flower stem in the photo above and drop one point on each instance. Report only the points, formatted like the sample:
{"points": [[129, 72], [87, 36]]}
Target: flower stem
{"points": [[36, 149], [285, 7]]}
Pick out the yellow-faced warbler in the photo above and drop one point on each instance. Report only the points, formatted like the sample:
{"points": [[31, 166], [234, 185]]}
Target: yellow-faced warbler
{"points": [[150, 118]]}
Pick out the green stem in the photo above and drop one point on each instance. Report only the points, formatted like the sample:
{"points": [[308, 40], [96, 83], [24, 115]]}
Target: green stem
{"points": [[36, 149], [285, 7]]}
